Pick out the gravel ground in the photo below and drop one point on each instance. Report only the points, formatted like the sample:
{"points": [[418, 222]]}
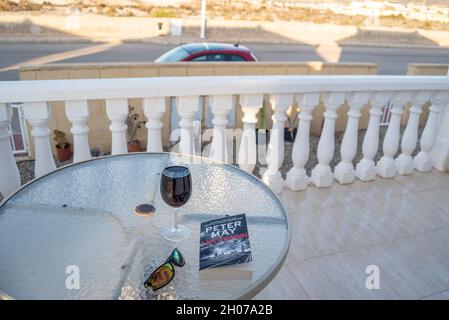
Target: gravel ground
{"points": [[26, 168], [313, 161]]}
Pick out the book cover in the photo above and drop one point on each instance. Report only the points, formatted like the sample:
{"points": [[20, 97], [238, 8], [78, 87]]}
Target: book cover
{"points": [[224, 242]]}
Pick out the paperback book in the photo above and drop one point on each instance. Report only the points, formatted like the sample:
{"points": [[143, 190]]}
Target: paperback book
{"points": [[225, 250]]}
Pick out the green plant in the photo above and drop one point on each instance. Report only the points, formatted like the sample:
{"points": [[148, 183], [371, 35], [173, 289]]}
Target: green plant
{"points": [[60, 139], [261, 118], [162, 13], [133, 124]]}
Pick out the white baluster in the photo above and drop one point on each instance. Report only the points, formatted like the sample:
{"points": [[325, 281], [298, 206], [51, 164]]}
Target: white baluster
{"points": [[344, 171], [220, 106], [322, 173], [366, 168], [404, 163], [9, 173], [440, 151], [38, 113], [297, 178], [78, 114], [275, 154], [422, 162], [247, 154], [386, 167], [187, 107], [154, 109], [117, 111]]}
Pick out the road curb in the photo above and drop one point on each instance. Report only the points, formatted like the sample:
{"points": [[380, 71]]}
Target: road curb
{"points": [[178, 41]]}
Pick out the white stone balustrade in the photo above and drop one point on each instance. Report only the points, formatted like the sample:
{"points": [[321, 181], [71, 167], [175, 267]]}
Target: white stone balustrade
{"points": [[221, 105], [154, 109], [404, 163], [37, 114], [322, 173], [9, 173], [386, 166], [117, 111], [366, 168], [423, 162], [36, 97], [440, 151], [344, 171], [77, 112], [187, 106], [297, 178], [247, 154], [275, 154]]}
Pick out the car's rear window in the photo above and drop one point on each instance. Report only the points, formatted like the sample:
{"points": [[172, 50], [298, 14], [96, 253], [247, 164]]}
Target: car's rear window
{"points": [[176, 54]]}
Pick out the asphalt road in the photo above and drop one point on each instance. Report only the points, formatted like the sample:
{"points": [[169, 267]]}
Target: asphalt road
{"points": [[391, 61]]}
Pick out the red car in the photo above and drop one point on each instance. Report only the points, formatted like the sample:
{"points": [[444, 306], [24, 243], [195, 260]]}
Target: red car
{"points": [[204, 52]]}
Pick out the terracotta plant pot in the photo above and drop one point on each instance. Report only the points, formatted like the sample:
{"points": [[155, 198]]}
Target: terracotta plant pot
{"points": [[134, 146], [64, 154]]}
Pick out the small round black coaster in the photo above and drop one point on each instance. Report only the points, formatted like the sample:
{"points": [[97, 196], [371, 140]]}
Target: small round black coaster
{"points": [[144, 210]]}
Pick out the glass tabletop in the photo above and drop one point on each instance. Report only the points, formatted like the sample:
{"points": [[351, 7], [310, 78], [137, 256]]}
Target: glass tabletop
{"points": [[80, 218]]}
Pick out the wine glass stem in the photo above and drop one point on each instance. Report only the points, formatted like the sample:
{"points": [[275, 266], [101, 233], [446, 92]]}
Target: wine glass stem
{"points": [[176, 218]]}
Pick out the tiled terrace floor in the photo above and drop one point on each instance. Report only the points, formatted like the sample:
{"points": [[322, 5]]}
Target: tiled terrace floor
{"points": [[401, 225]]}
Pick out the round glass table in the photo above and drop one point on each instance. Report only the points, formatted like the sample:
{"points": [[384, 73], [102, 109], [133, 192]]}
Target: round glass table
{"points": [[72, 233]]}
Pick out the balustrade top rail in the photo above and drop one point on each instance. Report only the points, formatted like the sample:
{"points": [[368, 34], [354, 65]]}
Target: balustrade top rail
{"points": [[84, 89]]}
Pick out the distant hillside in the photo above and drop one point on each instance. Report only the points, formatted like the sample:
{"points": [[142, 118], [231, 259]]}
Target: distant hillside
{"points": [[429, 2], [107, 2], [392, 13], [178, 3]]}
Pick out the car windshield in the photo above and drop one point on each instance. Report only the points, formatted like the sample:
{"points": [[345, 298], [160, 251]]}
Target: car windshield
{"points": [[176, 54]]}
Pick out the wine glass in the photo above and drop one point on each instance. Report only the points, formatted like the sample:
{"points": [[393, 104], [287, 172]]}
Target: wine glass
{"points": [[176, 188]]}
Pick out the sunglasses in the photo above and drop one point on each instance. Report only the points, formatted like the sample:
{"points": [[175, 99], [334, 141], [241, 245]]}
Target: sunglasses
{"points": [[166, 272]]}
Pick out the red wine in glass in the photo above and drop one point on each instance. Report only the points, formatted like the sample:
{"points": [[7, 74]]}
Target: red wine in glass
{"points": [[176, 188]]}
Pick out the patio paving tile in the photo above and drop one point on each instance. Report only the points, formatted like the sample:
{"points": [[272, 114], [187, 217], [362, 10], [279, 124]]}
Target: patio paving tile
{"points": [[371, 190], [283, 286], [409, 269], [419, 181], [436, 242], [413, 271], [438, 198], [439, 296], [339, 276], [401, 225], [408, 214], [329, 231], [310, 199]]}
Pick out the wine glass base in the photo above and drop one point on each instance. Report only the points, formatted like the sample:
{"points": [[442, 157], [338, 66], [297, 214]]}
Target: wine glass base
{"points": [[177, 233]]}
